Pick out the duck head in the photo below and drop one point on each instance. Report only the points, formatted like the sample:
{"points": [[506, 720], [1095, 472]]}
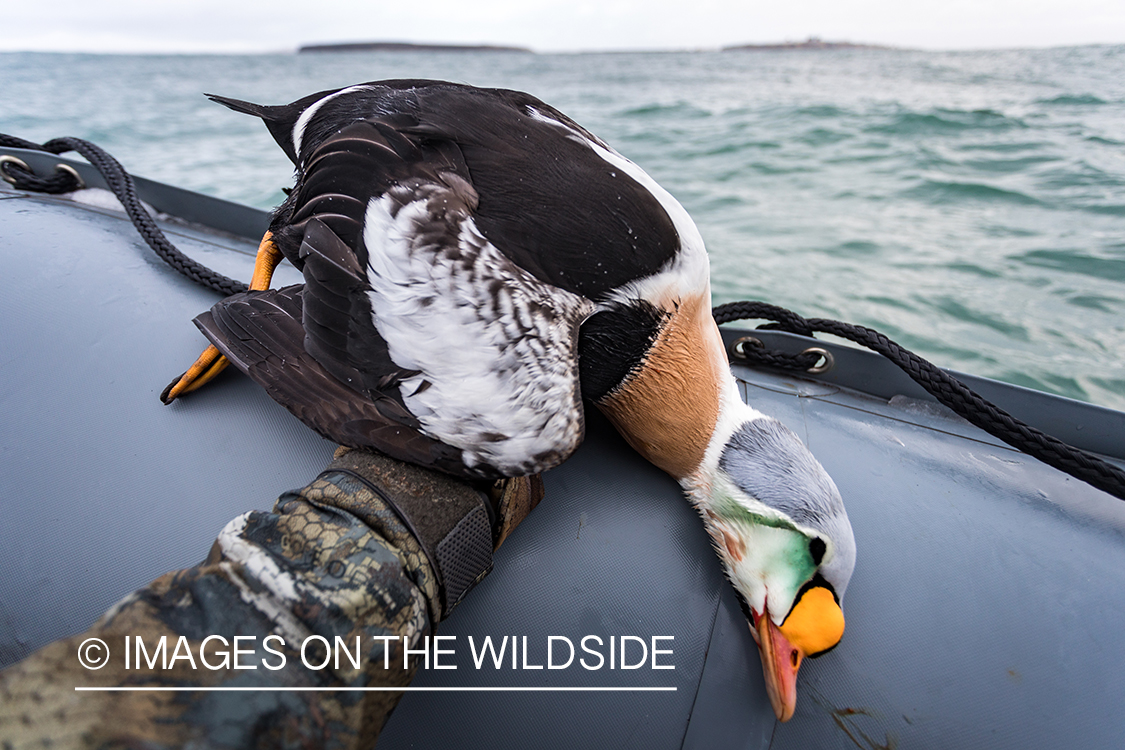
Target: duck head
{"points": [[780, 529]]}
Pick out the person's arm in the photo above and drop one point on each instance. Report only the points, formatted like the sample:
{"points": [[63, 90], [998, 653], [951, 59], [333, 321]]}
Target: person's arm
{"points": [[364, 560]]}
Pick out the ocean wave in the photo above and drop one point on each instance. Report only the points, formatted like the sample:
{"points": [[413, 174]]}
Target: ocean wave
{"points": [[1103, 140], [895, 302], [1076, 261], [956, 310], [973, 268], [820, 110], [1072, 100], [1111, 385], [1079, 174], [943, 192], [855, 249], [762, 168], [1039, 380], [659, 110], [947, 121], [1004, 147], [821, 137], [1106, 209], [729, 148], [1009, 166], [1097, 302]]}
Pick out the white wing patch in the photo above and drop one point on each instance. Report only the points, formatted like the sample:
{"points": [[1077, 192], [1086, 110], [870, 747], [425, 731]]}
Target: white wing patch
{"points": [[495, 347]]}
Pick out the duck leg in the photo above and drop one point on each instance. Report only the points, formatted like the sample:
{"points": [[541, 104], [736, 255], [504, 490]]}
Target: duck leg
{"points": [[210, 363], [268, 258]]}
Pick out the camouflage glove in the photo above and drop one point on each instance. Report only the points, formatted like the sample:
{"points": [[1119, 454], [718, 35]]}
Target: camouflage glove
{"points": [[373, 552], [456, 524]]}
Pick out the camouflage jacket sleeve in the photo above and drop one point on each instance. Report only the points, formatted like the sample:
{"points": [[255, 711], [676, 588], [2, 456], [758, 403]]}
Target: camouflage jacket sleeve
{"points": [[315, 601]]}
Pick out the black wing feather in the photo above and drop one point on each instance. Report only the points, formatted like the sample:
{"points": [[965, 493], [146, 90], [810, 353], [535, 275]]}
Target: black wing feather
{"points": [[262, 334], [339, 326]]}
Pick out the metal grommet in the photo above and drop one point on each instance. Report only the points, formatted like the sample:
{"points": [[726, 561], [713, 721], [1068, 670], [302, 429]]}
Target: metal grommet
{"points": [[5, 159], [739, 346], [73, 173], [820, 367]]}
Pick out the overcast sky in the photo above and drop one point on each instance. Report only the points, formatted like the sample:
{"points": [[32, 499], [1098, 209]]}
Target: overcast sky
{"points": [[553, 25]]}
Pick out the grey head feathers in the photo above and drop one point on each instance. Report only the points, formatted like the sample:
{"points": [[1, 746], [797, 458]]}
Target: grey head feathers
{"points": [[768, 462]]}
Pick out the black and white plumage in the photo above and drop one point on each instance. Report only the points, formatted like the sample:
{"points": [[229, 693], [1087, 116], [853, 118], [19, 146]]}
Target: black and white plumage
{"points": [[477, 265], [442, 282]]}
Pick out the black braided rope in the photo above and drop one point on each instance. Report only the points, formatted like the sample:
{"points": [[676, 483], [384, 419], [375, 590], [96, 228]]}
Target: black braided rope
{"points": [[121, 183], [62, 181], [941, 385]]}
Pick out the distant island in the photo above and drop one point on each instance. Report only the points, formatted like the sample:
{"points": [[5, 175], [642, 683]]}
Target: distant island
{"points": [[812, 43], [406, 47]]}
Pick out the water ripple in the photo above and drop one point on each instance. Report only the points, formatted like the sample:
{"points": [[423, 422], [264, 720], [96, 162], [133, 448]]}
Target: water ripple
{"points": [[946, 121], [1077, 261], [1072, 100], [941, 192]]}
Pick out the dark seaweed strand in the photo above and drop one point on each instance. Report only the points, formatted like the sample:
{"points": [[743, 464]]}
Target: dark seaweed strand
{"points": [[121, 183], [941, 385]]}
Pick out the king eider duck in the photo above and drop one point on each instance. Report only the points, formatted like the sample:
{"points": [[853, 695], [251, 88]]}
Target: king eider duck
{"points": [[476, 266]]}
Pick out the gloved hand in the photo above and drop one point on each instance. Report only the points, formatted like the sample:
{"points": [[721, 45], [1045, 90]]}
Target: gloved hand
{"points": [[372, 551], [456, 524]]}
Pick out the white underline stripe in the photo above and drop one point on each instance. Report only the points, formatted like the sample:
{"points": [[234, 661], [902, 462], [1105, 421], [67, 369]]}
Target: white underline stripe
{"points": [[382, 689]]}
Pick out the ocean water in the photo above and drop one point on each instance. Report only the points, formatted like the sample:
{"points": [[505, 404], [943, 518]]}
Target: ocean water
{"points": [[971, 205]]}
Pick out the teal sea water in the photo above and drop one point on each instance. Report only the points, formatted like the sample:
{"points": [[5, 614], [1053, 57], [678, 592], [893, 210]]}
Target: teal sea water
{"points": [[971, 205]]}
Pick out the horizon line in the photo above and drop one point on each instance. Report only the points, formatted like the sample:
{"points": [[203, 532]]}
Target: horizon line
{"points": [[460, 48]]}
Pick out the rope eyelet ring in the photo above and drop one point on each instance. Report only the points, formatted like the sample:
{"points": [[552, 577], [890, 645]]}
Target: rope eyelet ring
{"points": [[820, 367], [73, 173], [739, 346], [6, 159]]}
